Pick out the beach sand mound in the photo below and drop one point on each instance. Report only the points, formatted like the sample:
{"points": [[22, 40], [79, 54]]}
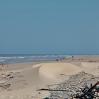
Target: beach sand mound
{"points": [[53, 70], [91, 68]]}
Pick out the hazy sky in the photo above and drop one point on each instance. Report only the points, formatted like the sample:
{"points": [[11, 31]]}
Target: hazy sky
{"points": [[49, 26]]}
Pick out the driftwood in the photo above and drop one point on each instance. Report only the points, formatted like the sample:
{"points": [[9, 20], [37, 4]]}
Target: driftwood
{"points": [[89, 93], [49, 90]]}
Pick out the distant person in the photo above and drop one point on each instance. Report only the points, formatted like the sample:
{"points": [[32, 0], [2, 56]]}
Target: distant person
{"points": [[72, 57], [57, 59]]}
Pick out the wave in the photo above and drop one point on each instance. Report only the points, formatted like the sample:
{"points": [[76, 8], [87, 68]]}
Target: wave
{"points": [[2, 60], [30, 58]]}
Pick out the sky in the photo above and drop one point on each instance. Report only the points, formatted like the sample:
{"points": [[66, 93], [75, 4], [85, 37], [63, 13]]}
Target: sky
{"points": [[49, 26]]}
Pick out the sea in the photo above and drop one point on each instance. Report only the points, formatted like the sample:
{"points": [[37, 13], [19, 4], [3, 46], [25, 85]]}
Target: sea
{"points": [[21, 58]]}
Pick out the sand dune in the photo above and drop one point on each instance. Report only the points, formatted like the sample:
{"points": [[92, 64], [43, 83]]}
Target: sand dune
{"points": [[92, 68], [53, 70]]}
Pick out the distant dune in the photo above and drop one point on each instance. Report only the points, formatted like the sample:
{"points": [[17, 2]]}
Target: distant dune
{"points": [[53, 70]]}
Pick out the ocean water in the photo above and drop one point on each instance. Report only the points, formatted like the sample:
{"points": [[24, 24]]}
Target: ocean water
{"points": [[20, 58]]}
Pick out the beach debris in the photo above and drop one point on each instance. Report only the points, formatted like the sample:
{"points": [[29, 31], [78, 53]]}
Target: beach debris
{"points": [[89, 92], [5, 80], [5, 86], [49, 90], [76, 85]]}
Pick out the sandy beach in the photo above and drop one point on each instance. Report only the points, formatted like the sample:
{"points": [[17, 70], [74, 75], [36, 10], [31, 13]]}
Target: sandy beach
{"points": [[22, 80], [49, 49]]}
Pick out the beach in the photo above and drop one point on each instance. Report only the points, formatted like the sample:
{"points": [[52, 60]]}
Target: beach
{"points": [[23, 80]]}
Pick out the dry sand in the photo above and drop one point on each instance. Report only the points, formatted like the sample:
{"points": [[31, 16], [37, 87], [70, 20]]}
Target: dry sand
{"points": [[53, 70], [20, 81]]}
